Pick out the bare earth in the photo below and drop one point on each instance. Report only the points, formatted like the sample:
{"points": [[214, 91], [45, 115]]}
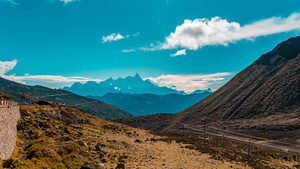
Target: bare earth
{"points": [[160, 154]]}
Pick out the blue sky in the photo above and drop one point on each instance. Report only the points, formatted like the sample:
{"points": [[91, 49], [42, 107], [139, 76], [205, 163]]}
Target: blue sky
{"points": [[55, 42]]}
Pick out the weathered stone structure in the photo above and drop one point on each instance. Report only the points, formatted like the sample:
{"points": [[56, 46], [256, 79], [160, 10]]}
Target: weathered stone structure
{"points": [[9, 116]]}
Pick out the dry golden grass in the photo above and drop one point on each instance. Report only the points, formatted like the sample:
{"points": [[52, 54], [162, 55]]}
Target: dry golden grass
{"points": [[47, 142], [164, 155]]}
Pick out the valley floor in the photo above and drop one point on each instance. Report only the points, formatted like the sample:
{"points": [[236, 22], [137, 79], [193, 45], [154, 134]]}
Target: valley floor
{"points": [[64, 137]]}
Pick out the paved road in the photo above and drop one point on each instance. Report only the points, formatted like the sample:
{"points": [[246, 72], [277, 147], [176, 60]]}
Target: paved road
{"points": [[213, 131]]}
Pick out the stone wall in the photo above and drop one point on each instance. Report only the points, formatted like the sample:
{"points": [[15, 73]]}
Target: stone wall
{"points": [[9, 116]]}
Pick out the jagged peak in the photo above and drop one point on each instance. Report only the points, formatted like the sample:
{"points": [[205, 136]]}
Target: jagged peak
{"points": [[91, 83], [77, 84], [137, 76]]}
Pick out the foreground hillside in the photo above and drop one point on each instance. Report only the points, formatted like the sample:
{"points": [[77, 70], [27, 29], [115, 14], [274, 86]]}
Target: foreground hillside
{"points": [[145, 104], [65, 137], [95, 107]]}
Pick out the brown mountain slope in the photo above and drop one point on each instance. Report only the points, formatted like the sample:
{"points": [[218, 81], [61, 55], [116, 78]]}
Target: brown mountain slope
{"points": [[267, 88]]}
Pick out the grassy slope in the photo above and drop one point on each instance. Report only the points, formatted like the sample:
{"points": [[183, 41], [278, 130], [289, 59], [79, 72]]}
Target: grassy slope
{"points": [[50, 136]]}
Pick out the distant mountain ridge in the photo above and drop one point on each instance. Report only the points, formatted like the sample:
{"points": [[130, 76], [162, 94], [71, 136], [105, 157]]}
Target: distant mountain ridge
{"points": [[130, 84], [95, 107], [145, 104]]}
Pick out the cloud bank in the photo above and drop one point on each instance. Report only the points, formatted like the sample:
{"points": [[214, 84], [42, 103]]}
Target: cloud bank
{"points": [[188, 83], [194, 34], [9, 65], [48, 78]]}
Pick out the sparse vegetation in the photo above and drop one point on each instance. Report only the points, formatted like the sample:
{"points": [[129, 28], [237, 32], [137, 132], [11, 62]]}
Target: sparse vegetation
{"points": [[61, 137], [5, 97], [260, 157]]}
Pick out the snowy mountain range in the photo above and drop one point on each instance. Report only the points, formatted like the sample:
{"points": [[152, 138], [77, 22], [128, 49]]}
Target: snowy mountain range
{"points": [[130, 84]]}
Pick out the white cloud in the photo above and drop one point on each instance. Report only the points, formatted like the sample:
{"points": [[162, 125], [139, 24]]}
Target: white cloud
{"points": [[129, 50], [11, 1], [152, 47], [62, 1], [7, 66], [67, 1], [180, 52], [113, 37], [194, 34], [49, 78], [188, 83]]}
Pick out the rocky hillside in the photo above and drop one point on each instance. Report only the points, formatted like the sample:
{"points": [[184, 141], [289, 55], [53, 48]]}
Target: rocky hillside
{"points": [[17, 92], [267, 89], [263, 98]]}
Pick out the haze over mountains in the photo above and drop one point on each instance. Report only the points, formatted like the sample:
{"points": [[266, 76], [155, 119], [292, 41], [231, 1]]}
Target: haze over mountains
{"points": [[264, 96], [137, 96], [144, 104], [95, 107], [130, 84]]}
